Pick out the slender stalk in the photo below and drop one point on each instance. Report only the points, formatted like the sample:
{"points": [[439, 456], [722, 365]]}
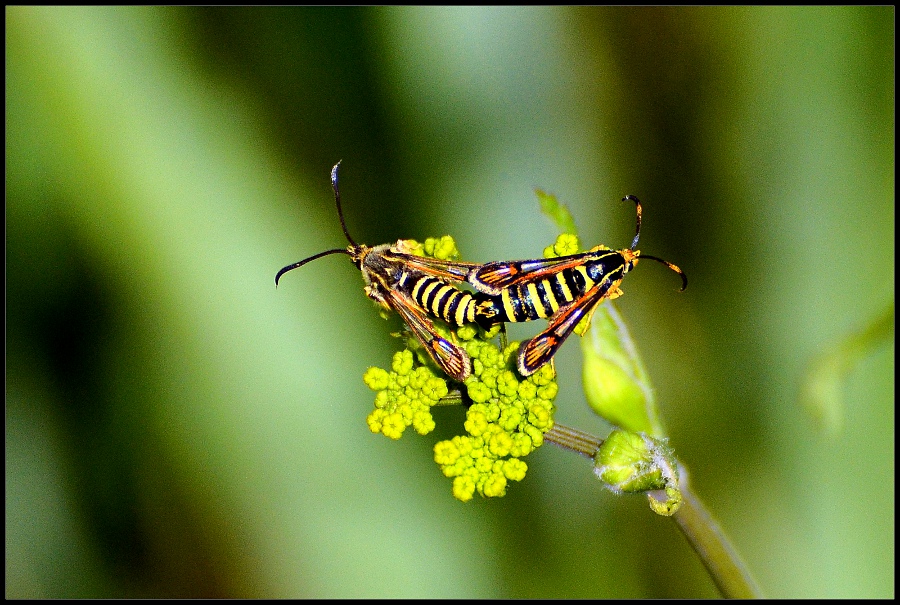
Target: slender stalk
{"points": [[579, 442], [728, 572], [454, 397], [725, 567]]}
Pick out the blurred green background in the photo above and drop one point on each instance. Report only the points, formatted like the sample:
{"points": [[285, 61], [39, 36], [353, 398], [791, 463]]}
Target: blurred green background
{"points": [[176, 426]]}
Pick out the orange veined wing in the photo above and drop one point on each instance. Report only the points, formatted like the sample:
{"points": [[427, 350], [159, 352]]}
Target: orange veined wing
{"points": [[494, 277], [444, 269], [539, 350]]}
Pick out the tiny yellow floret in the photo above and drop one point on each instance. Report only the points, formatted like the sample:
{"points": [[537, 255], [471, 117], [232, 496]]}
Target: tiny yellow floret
{"points": [[494, 485], [514, 469], [463, 488], [423, 422], [566, 244], [403, 362], [476, 423], [376, 378], [393, 426], [446, 453], [500, 444], [478, 392]]}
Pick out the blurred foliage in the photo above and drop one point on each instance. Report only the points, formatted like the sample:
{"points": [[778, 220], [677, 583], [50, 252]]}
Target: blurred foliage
{"points": [[176, 427], [821, 391]]}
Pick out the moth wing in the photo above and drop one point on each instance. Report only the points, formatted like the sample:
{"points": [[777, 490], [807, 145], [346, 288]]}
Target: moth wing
{"points": [[494, 277], [450, 357], [443, 269], [539, 350]]}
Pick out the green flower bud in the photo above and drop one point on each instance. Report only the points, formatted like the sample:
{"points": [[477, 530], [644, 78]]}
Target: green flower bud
{"points": [[635, 462]]}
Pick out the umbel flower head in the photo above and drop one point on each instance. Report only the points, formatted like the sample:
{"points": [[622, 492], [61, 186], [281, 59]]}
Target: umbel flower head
{"points": [[507, 414], [506, 422]]}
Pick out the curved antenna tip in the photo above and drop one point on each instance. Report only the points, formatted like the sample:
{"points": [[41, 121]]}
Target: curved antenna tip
{"points": [[306, 260], [637, 227], [674, 268]]}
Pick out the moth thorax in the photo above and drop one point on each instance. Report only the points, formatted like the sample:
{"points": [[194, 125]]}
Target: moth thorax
{"points": [[630, 257]]}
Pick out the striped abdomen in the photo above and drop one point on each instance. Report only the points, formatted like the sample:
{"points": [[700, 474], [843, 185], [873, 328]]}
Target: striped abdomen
{"points": [[438, 298], [542, 298]]}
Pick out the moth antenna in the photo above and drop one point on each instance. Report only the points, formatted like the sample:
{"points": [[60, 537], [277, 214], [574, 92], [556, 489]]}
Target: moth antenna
{"points": [[637, 229], [337, 200], [672, 267], [306, 260]]}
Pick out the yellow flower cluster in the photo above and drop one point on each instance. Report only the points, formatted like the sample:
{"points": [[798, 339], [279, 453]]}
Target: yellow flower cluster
{"points": [[404, 396], [506, 422], [508, 415]]}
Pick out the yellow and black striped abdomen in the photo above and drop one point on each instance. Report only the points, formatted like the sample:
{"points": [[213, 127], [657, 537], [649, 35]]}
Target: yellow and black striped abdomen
{"points": [[541, 298], [438, 298]]}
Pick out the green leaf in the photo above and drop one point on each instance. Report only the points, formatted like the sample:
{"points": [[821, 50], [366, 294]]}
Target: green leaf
{"points": [[557, 212], [615, 381]]}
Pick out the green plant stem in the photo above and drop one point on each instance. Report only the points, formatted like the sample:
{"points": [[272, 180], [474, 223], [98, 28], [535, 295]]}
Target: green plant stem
{"points": [[579, 442], [725, 567], [454, 397], [728, 572]]}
